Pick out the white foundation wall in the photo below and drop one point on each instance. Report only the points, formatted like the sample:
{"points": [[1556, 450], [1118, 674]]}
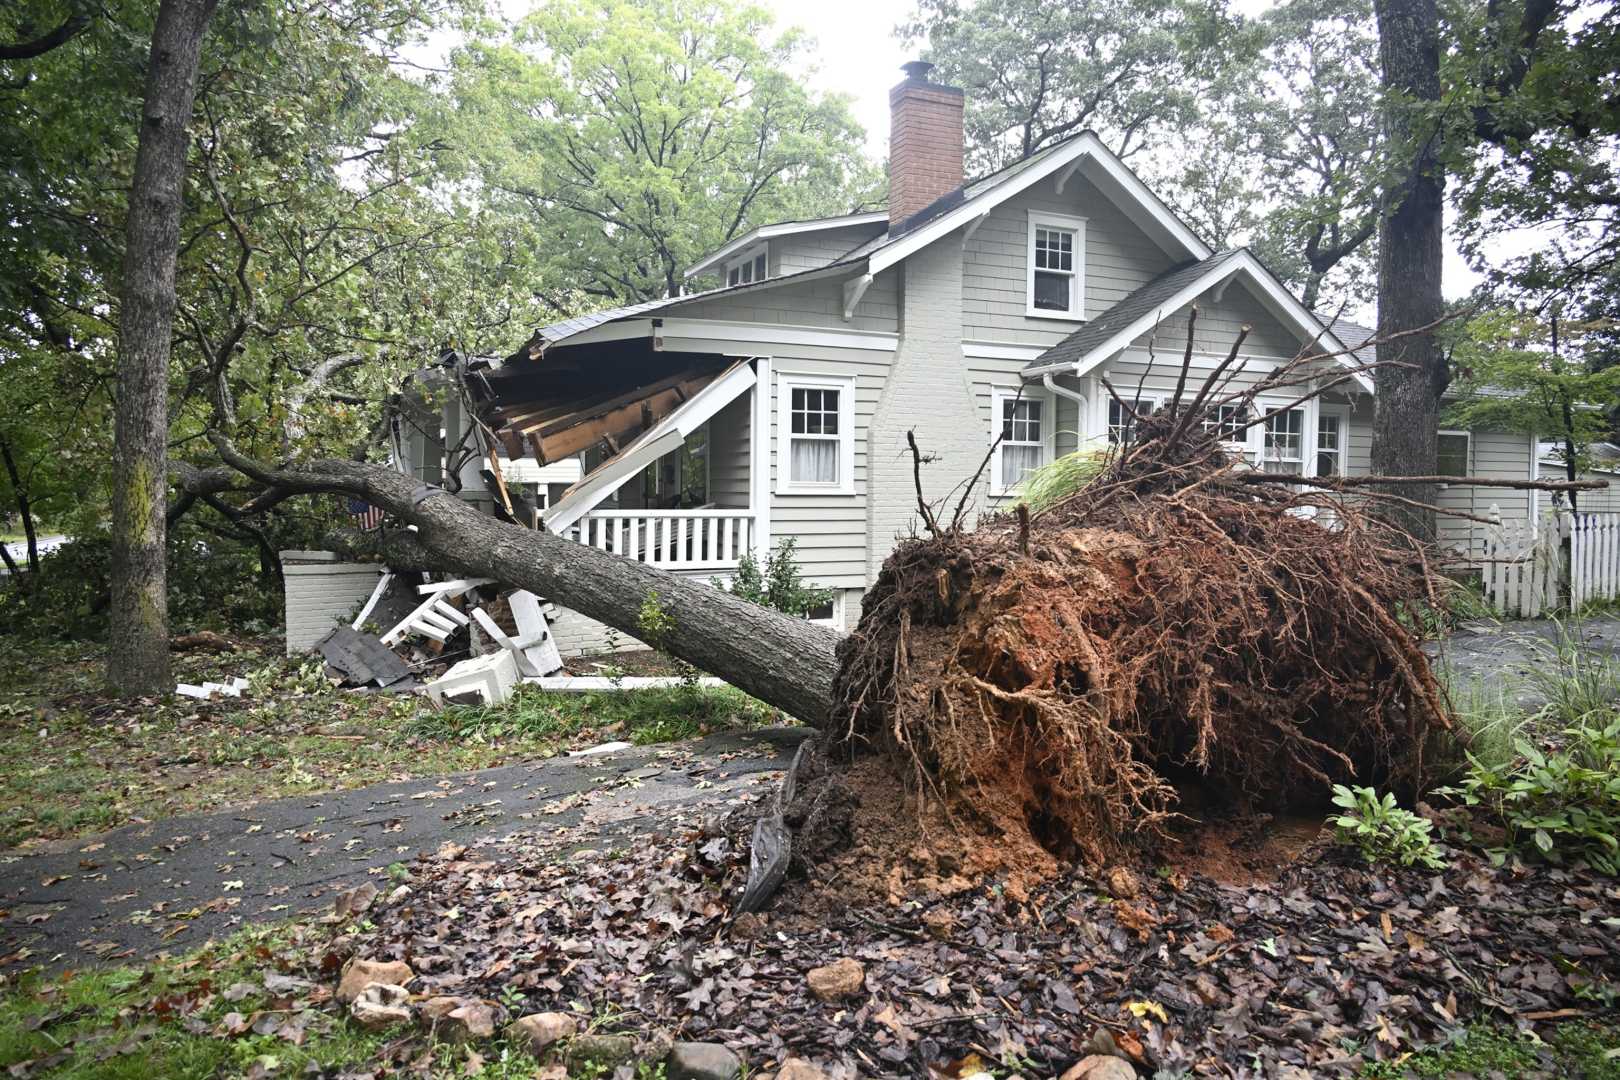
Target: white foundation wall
{"points": [[321, 593]]}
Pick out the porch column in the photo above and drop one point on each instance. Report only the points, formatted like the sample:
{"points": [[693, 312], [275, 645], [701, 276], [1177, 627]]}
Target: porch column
{"points": [[759, 458]]}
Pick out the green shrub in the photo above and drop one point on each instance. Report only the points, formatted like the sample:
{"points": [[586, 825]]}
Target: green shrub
{"points": [[1381, 830], [1060, 478], [1561, 804], [779, 585]]}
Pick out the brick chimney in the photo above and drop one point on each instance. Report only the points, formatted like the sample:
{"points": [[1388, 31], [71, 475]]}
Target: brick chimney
{"points": [[925, 142]]}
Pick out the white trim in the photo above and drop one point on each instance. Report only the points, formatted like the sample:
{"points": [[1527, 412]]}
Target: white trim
{"points": [[759, 459], [786, 383], [1076, 311], [774, 334], [1282, 303], [854, 289], [1468, 455], [1001, 394], [1103, 402], [748, 258], [1324, 408], [989, 350], [836, 619], [1085, 148], [662, 438], [785, 228]]}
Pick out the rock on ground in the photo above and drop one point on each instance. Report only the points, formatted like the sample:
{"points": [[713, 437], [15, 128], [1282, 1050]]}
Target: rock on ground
{"points": [[1100, 1067], [843, 978], [702, 1061], [799, 1069], [381, 1005], [538, 1031], [358, 974]]}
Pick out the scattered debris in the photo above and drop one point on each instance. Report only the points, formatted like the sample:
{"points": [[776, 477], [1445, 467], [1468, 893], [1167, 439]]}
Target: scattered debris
{"points": [[202, 641], [489, 679], [602, 748], [206, 690], [362, 659]]}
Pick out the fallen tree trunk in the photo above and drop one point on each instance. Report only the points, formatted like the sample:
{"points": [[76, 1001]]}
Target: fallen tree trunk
{"points": [[783, 661]]}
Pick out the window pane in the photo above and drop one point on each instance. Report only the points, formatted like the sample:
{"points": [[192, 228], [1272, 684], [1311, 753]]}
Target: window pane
{"points": [[1229, 424], [815, 461], [1051, 291], [1020, 421], [759, 267], [1285, 436], [1018, 462], [731, 277], [1451, 457]]}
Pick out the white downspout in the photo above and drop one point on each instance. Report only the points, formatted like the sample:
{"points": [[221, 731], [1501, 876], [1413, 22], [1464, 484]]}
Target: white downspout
{"points": [[1080, 401]]}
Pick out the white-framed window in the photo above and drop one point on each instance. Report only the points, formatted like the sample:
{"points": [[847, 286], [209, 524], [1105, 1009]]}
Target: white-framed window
{"points": [[1282, 445], [1451, 453], [815, 435], [1121, 424], [831, 613], [1024, 425], [1230, 423], [1332, 438], [1056, 281], [747, 268]]}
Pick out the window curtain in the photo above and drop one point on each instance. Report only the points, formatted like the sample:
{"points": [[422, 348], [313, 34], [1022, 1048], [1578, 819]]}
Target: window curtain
{"points": [[815, 461], [1017, 462]]}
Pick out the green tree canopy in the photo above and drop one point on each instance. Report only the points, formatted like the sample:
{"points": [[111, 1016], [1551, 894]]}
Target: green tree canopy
{"points": [[640, 136]]}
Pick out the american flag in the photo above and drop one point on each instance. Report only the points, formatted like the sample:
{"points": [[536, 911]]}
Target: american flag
{"points": [[365, 515]]}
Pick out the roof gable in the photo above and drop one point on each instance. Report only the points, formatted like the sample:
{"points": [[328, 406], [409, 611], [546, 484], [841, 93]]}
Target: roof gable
{"points": [[1120, 325]]}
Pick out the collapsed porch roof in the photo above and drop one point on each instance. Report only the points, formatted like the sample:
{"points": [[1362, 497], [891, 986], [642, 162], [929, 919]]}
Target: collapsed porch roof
{"points": [[660, 438]]}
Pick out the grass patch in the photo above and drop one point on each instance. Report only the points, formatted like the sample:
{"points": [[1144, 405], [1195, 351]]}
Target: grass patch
{"points": [[172, 1019], [1591, 1051], [73, 760]]}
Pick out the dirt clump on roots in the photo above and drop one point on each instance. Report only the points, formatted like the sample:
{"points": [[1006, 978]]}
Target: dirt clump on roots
{"points": [[1046, 682]]}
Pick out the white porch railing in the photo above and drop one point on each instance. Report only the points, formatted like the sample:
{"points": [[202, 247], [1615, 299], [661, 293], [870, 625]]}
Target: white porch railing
{"points": [[1594, 558], [669, 539]]}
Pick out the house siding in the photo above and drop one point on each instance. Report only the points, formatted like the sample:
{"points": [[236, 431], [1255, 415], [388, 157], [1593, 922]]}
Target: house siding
{"points": [[811, 303], [1119, 258], [1218, 325], [1606, 501], [729, 449], [813, 250]]}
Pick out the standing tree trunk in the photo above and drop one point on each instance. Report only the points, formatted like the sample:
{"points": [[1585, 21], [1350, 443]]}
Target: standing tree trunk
{"points": [[1412, 369], [25, 508], [138, 643]]}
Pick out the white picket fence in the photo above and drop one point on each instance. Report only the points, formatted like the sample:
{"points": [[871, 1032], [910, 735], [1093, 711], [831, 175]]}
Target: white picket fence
{"points": [[1594, 558], [1567, 561]]}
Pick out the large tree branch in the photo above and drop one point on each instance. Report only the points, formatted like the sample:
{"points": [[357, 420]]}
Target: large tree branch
{"points": [[70, 28], [784, 661]]}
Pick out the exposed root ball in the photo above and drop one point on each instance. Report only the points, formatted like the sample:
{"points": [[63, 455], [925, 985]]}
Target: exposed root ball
{"points": [[1166, 620]]}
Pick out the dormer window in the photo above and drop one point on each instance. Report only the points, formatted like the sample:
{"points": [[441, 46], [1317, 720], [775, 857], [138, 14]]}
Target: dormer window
{"points": [[1057, 255], [747, 269]]}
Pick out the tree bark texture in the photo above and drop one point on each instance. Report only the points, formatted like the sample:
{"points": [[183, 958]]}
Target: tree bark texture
{"points": [[138, 644], [25, 508], [783, 661], [1411, 373]]}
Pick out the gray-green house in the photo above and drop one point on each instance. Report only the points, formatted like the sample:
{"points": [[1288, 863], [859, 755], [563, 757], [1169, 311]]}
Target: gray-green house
{"points": [[773, 401]]}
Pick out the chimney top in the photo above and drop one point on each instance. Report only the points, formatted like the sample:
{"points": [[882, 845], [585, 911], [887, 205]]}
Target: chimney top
{"points": [[925, 142]]}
